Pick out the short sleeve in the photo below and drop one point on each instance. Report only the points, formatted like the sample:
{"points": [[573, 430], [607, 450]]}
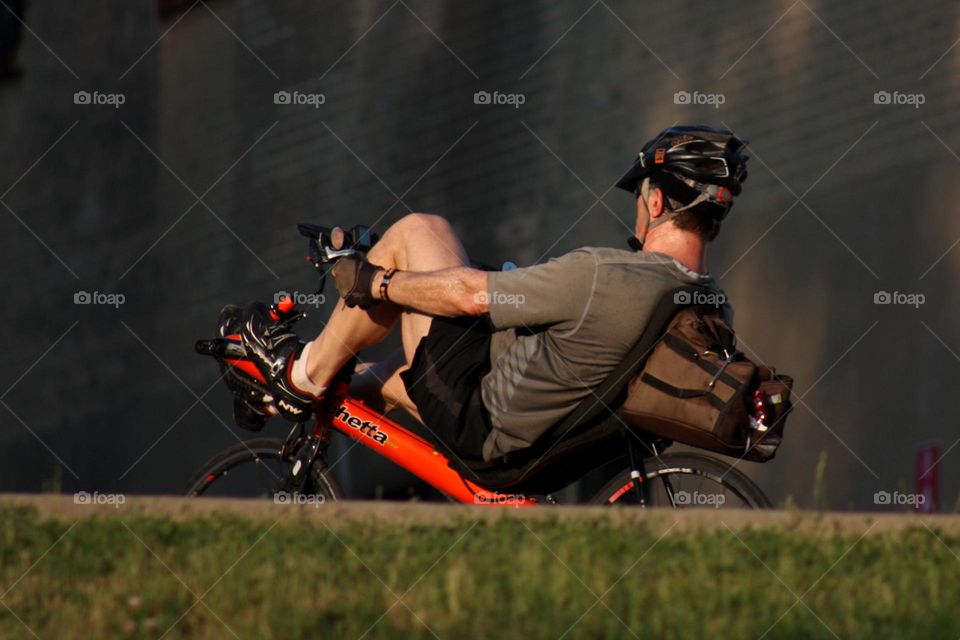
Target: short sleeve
{"points": [[551, 293]]}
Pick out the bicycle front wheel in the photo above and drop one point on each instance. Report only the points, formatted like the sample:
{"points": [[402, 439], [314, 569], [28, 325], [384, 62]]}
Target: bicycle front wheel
{"points": [[685, 480], [254, 468]]}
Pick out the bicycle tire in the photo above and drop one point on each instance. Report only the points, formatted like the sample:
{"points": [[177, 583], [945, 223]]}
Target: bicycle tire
{"points": [[319, 482], [619, 489]]}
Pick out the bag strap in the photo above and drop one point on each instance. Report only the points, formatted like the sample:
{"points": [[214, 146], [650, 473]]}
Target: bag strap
{"points": [[719, 373], [683, 394], [676, 392], [606, 395]]}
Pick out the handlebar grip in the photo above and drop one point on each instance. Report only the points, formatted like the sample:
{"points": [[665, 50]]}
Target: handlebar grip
{"points": [[206, 347], [220, 348]]}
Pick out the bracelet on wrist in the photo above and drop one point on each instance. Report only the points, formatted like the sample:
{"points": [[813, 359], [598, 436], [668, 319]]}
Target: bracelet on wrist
{"points": [[385, 284]]}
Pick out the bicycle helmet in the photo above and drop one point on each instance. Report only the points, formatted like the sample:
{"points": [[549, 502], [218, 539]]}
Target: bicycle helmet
{"points": [[692, 164]]}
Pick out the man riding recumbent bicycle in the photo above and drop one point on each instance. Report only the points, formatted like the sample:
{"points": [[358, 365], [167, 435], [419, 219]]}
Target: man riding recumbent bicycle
{"points": [[524, 380]]}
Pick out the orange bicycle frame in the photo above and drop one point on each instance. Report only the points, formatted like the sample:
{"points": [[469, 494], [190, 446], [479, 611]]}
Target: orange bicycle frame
{"points": [[375, 431], [384, 436]]}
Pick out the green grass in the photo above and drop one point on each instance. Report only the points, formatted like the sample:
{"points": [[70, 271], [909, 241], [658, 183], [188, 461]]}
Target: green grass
{"points": [[492, 579]]}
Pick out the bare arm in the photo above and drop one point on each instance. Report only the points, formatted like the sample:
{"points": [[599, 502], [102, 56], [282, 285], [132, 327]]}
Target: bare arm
{"points": [[457, 291]]}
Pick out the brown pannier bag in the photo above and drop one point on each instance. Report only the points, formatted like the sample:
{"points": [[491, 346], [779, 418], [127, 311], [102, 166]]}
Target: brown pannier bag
{"points": [[697, 389]]}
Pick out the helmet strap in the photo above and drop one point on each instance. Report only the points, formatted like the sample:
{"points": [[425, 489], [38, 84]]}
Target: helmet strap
{"points": [[705, 193], [636, 242], [713, 194]]}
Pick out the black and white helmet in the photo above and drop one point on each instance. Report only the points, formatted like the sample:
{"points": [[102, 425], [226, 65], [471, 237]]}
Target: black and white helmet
{"points": [[693, 164]]}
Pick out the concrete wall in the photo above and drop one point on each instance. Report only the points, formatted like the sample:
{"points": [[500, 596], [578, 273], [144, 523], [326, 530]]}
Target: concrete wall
{"points": [[105, 209]]}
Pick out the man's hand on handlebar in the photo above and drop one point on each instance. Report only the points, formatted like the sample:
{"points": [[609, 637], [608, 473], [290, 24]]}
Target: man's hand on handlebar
{"points": [[450, 292]]}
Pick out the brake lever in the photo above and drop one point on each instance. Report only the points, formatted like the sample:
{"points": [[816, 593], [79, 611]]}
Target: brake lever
{"points": [[323, 243], [285, 324], [321, 256]]}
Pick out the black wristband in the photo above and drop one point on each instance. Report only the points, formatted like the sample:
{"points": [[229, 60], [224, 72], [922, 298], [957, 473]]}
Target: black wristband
{"points": [[385, 284]]}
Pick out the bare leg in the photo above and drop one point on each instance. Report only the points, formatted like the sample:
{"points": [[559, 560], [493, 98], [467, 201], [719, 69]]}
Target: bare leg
{"points": [[379, 385], [417, 242], [369, 379]]}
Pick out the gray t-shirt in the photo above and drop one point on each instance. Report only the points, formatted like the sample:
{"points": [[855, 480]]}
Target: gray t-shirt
{"points": [[562, 327]]}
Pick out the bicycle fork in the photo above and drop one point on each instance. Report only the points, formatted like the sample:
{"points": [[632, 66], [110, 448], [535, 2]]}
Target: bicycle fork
{"points": [[638, 473]]}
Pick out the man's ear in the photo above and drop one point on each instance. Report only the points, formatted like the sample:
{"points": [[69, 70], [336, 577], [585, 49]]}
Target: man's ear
{"points": [[655, 203]]}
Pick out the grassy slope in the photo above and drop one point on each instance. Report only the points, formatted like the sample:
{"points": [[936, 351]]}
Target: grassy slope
{"points": [[464, 578]]}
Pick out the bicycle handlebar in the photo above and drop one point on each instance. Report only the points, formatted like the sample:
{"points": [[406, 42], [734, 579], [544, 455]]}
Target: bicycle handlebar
{"points": [[325, 245], [328, 244]]}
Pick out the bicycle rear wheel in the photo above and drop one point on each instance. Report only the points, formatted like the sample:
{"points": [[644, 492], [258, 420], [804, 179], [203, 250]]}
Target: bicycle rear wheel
{"points": [[686, 480], [254, 468]]}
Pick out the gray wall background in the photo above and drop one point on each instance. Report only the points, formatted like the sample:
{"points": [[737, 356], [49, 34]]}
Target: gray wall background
{"points": [[104, 199]]}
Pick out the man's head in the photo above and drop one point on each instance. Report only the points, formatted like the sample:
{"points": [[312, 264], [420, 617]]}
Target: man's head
{"points": [[687, 176], [654, 206]]}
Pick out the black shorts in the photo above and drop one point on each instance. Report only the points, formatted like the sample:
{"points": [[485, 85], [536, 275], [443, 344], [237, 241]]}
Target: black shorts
{"points": [[444, 382]]}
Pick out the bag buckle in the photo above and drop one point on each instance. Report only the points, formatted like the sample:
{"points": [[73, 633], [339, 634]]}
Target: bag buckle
{"points": [[728, 357]]}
